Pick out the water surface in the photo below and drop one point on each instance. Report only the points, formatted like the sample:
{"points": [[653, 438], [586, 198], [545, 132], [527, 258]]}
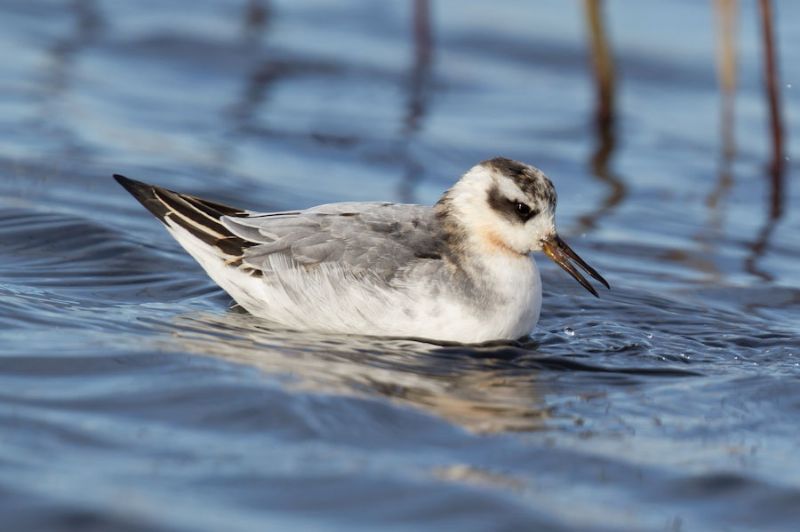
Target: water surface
{"points": [[133, 395]]}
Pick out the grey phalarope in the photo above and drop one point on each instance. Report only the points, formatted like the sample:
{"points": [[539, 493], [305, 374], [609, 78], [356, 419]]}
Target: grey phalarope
{"points": [[460, 271]]}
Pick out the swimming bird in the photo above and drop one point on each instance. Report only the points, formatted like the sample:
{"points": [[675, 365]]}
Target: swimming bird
{"points": [[461, 270]]}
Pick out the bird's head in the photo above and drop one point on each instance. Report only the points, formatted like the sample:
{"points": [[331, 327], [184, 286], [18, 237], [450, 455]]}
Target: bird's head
{"points": [[505, 206]]}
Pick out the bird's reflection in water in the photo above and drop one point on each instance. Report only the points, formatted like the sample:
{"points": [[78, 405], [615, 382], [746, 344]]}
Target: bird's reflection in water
{"points": [[479, 388]]}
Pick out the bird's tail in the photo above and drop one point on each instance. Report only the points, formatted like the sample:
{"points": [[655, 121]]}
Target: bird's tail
{"points": [[199, 217]]}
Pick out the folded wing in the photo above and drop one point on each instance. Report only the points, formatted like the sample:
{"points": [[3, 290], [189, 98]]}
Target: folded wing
{"points": [[382, 239]]}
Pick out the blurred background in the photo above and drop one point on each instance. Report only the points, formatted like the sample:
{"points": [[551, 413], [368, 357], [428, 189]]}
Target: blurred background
{"points": [[669, 130]]}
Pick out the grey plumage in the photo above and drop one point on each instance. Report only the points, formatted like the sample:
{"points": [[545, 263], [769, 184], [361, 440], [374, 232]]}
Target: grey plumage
{"points": [[384, 239]]}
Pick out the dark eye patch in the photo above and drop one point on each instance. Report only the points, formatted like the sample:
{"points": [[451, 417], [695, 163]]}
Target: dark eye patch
{"points": [[524, 212], [515, 211]]}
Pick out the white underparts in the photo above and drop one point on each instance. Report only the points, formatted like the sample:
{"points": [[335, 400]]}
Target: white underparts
{"points": [[326, 298]]}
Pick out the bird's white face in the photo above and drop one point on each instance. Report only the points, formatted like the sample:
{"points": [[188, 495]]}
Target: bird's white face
{"points": [[509, 207], [506, 206]]}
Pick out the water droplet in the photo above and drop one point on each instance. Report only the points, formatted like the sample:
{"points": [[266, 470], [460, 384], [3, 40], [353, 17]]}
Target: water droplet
{"points": [[568, 331]]}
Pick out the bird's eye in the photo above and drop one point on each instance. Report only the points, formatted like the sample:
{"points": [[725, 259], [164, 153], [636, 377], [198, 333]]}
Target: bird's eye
{"points": [[523, 210]]}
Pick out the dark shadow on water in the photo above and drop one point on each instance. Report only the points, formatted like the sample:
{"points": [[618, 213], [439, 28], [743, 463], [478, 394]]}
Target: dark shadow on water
{"points": [[725, 11], [417, 99], [257, 17], [774, 211], [604, 119], [726, 65], [776, 167]]}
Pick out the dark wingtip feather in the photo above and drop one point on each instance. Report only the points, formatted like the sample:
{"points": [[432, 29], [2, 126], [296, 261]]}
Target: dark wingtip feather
{"points": [[131, 185], [145, 194], [200, 217]]}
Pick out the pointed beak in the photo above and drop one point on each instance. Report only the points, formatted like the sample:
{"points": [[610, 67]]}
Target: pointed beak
{"points": [[561, 253]]}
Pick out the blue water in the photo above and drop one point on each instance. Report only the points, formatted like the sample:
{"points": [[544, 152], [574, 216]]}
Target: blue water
{"points": [[135, 396]]}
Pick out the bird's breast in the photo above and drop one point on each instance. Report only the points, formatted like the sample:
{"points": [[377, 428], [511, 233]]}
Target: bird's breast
{"points": [[499, 300]]}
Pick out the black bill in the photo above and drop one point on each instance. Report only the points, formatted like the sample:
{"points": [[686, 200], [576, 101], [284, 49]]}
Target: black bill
{"points": [[561, 253]]}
